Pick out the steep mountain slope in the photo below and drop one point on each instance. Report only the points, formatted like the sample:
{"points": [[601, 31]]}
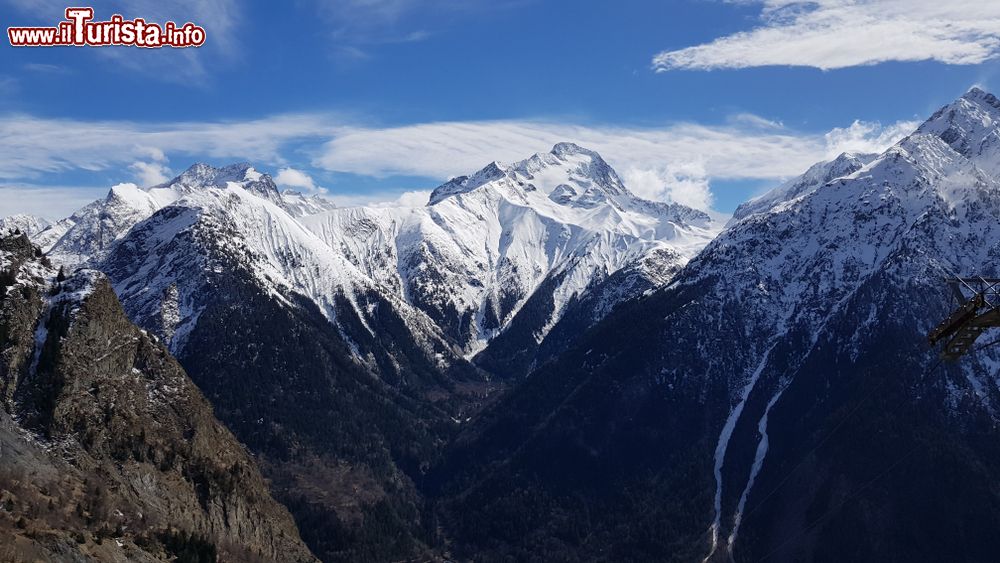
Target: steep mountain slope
{"points": [[817, 176], [504, 255], [110, 453], [778, 400], [347, 374], [169, 268], [508, 252], [87, 234], [342, 390]]}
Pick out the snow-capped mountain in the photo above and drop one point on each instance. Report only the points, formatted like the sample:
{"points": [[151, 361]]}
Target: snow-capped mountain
{"points": [[310, 362], [760, 396], [27, 224], [462, 270], [86, 235], [779, 394], [164, 266], [555, 225], [969, 126]]}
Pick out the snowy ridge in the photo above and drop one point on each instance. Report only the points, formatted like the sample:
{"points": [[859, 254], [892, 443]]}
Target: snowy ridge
{"points": [[969, 126], [165, 268], [818, 175], [87, 235]]}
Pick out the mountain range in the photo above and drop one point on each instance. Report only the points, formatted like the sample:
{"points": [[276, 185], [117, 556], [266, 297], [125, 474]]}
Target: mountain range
{"points": [[777, 399], [540, 365]]}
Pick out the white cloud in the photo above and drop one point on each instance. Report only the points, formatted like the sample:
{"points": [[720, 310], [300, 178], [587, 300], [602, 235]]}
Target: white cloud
{"points": [[50, 202], [681, 183], [298, 180], [863, 136], [153, 153], [675, 162], [381, 198], [414, 198], [150, 173], [31, 146], [830, 34]]}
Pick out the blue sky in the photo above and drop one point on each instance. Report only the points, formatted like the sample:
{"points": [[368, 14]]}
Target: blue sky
{"points": [[700, 101]]}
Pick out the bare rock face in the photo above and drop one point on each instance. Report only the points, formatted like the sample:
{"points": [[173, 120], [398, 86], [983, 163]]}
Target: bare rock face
{"points": [[108, 451]]}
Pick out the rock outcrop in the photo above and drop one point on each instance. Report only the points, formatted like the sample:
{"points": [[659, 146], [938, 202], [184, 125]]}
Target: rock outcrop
{"points": [[108, 451]]}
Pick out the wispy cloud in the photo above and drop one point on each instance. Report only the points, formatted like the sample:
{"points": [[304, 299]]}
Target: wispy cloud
{"points": [[356, 26], [829, 34], [675, 162], [32, 146], [44, 68], [50, 202]]}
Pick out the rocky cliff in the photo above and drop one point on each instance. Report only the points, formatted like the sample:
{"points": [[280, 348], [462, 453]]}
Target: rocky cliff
{"points": [[108, 451]]}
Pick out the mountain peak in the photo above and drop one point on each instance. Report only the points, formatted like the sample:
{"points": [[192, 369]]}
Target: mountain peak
{"points": [[201, 175], [462, 184], [592, 166], [490, 172], [971, 126], [567, 163], [565, 149], [982, 97]]}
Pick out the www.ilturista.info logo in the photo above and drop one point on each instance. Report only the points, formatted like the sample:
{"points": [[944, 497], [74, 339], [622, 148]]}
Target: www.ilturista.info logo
{"points": [[79, 30]]}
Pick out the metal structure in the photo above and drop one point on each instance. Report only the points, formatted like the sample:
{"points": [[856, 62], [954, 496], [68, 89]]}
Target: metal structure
{"points": [[978, 310]]}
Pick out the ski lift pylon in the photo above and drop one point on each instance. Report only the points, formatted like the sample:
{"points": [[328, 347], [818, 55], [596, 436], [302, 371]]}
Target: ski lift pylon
{"points": [[975, 313]]}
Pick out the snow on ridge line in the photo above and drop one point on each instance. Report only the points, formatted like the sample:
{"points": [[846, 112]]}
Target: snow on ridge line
{"points": [[283, 258]]}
